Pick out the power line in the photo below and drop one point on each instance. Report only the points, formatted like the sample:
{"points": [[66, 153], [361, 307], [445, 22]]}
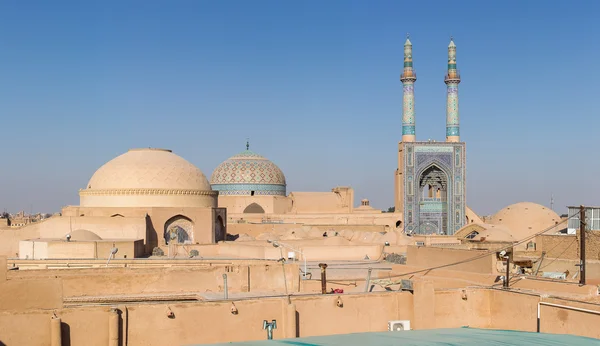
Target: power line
{"points": [[490, 252]]}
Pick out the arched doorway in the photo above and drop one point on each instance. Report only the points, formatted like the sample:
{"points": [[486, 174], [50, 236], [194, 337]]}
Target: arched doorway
{"points": [[179, 230], [254, 208], [433, 201]]}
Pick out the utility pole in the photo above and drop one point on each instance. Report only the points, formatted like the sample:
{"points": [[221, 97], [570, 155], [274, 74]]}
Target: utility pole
{"points": [[582, 245], [507, 278]]}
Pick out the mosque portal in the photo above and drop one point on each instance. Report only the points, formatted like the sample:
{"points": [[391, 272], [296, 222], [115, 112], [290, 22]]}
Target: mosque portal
{"points": [[430, 180]]}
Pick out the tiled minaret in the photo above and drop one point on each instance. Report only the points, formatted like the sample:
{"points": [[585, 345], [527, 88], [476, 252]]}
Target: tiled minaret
{"points": [[452, 80], [408, 79]]}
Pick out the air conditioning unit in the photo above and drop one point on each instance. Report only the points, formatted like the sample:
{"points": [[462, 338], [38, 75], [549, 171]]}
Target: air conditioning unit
{"points": [[398, 325], [420, 243]]}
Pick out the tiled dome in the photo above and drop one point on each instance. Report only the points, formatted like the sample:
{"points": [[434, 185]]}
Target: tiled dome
{"points": [[248, 173]]}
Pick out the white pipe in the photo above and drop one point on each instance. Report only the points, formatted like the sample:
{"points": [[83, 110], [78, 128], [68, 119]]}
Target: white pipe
{"points": [[291, 248], [595, 312]]}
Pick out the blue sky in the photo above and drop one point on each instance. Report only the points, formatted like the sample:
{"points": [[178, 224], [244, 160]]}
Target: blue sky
{"points": [[314, 84]]}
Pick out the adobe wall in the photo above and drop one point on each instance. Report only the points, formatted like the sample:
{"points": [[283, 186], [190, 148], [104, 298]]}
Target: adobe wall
{"points": [[558, 246], [433, 256], [267, 277], [567, 246], [504, 306], [270, 204], [256, 229], [462, 307], [10, 238], [105, 227], [212, 322], [56, 249], [356, 219]]}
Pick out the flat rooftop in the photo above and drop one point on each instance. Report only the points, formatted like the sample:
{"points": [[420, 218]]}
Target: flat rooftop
{"points": [[457, 336]]}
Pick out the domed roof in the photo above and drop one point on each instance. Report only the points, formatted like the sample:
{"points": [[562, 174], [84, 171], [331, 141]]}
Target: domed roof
{"points": [[525, 219], [248, 173], [148, 169], [83, 235]]}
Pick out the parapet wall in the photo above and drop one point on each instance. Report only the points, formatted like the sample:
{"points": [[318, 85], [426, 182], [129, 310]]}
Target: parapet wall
{"points": [[428, 257], [213, 322]]}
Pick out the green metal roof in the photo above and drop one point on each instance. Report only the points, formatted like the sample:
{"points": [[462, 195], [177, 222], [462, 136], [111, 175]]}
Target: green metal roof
{"points": [[458, 336]]}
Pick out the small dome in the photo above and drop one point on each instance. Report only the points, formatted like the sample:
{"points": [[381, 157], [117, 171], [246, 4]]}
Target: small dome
{"points": [[248, 173], [525, 219], [84, 235], [148, 178]]}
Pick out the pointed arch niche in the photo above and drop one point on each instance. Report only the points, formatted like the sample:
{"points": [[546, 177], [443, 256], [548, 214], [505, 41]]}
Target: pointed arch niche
{"points": [[179, 230]]}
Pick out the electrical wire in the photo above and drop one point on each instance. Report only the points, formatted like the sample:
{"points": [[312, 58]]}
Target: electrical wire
{"points": [[488, 253]]}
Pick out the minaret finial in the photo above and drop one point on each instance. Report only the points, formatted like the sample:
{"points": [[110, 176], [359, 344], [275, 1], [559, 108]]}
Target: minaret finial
{"points": [[247, 143], [407, 35], [452, 80]]}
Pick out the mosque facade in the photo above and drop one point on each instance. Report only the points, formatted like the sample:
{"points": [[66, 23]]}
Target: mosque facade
{"points": [[430, 189]]}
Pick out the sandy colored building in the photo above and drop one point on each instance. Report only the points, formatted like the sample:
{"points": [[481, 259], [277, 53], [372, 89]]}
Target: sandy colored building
{"points": [[147, 196], [254, 189]]}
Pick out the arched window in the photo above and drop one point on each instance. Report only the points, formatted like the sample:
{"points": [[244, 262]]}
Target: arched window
{"points": [[254, 208]]}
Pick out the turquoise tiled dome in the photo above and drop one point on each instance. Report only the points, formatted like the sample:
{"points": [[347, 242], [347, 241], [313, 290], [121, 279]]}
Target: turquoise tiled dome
{"points": [[248, 173]]}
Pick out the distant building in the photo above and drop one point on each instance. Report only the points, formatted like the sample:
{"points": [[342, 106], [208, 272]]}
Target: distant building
{"points": [[592, 216], [430, 180]]}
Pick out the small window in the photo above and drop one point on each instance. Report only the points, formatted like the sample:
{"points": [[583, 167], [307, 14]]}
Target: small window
{"points": [[251, 193], [472, 235]]}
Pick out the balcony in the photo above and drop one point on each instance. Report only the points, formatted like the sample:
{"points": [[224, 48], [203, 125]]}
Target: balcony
{"points": [[452, 76]]}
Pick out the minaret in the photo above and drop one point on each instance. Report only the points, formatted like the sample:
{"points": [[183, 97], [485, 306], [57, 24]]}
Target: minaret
{"points": [[452, 80], [408, 79]]}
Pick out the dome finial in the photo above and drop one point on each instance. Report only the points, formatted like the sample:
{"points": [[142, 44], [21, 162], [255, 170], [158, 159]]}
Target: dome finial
{"points": [[247, 143]]}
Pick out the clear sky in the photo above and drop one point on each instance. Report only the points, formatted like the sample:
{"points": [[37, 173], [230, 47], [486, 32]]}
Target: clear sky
{"points": [[314, 84]]}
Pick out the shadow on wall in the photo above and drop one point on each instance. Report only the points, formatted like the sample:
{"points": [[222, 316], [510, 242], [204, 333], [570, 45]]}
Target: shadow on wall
{"points": [[65, 334], [297, 324], [151, 236], [220, 234]]}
